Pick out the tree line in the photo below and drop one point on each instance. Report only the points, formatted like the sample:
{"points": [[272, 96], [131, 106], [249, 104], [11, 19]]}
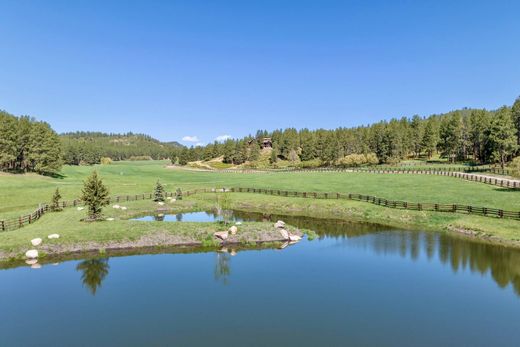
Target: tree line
{"points": [[88, 148], [476, 135], [28, 145]]}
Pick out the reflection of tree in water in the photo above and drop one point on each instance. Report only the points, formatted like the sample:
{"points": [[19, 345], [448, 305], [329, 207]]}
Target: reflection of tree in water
{"points": [[158, 217], [502, 263], [222, 267], [94, 272], [178, 217], [460, 253]]}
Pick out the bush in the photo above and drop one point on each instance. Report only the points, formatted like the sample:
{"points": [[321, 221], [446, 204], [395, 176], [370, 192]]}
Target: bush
{"points": [[105, 161], [353, 160], [140, 157], [515, 167]]}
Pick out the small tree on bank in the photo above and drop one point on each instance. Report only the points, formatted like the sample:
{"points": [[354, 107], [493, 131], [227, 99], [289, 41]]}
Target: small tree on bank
{"points": [[95, 196], [158, 195], [55, 204]]}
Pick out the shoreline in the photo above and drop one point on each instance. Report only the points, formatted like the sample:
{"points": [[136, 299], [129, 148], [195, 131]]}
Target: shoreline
{"points": [[123, 234]]}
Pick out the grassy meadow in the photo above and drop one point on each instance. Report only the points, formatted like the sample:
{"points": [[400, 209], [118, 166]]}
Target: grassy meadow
{"points": [[22, 193]]}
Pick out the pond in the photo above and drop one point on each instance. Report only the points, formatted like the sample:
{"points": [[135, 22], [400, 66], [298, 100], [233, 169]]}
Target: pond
{"points": [[357, 284]]}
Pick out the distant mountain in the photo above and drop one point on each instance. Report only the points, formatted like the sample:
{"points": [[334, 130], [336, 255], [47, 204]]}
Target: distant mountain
{"points": [[89, 147]]}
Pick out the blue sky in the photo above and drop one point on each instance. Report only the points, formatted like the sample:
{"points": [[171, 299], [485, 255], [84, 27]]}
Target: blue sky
{"points": [[203, 69]]}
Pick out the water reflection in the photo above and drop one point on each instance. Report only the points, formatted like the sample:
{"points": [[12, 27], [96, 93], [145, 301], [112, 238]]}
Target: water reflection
{"points": [[502, 263], [222, 267], [94, 272]]}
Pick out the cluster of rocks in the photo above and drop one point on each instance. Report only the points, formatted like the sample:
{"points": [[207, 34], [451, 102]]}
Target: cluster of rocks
{"points": [[117, 207], [280, 225], [32, 254], [223, 235], [171, 199]]}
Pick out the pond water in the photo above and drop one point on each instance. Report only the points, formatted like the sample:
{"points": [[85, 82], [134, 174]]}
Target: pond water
{"points": [[359, 285]]}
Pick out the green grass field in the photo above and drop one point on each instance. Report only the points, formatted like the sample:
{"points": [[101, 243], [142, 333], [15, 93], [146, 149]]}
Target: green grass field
{"points": [[22, 193]]}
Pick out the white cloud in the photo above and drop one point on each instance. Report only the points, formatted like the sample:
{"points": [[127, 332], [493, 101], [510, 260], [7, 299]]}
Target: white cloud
{"points": [[222, 138], [190, 139]]}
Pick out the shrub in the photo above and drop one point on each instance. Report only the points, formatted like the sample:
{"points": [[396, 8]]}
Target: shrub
{"points": [[105, 161], [353, 160], [140, 157], [515, 167]]}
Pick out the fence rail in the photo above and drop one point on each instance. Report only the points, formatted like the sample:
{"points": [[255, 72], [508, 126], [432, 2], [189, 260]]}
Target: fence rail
{"points": [[405, 205], [21, 221], [468, 174]]}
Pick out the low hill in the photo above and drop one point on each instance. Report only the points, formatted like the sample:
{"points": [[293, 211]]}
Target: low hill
{"points": [[89, 147]]}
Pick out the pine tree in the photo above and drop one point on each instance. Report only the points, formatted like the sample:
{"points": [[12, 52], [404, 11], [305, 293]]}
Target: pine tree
{"points": [[430, 137], [502, 137], [274, 154], [95, 196], [55, 205], [158, 194], [417, 131], [516, 118]]}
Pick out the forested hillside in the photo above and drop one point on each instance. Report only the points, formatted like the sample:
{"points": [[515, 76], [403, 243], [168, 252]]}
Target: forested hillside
{"points": [[470, 134], [89, 147], [28, 145]]}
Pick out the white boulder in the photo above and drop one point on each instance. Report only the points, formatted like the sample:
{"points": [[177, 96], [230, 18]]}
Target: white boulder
{"points": [[238, 223], [233, 230], [280, 224], [36, 242], [116, 206], [223, 235], [284, 233], [53, 236], [81, 208], [31, 261], [123, 207], [294, 238], [160, 203], [31, 254], [110, 219]]}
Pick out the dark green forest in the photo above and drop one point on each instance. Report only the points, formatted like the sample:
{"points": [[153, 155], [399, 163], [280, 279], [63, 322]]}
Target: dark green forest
{"points": [[28, 145], [470, 135], [87, 148]]}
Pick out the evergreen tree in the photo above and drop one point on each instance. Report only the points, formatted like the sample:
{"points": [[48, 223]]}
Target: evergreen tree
{"points": [[450, 136], [274, 154], [417, 133], [516, 118], [55, 204], [430, 137], [95, 196], [158, 194], [502, 137], [478, 125]]}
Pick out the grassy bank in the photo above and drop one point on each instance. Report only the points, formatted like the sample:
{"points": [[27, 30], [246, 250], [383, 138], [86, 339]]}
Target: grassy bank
{"points": [[491, 229], [121, 233], [21, 193]]}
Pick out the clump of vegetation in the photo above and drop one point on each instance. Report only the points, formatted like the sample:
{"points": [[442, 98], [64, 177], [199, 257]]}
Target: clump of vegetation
{"points": [[105, 161], [515, 167], [95, 196], [55, 202], [158, 194], [358, 160]]}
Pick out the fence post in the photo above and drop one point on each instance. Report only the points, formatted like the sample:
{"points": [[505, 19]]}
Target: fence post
{"points": [[3, 225]]}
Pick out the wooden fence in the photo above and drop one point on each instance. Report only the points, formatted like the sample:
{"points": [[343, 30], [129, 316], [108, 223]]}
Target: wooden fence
{"points": [[15, 223], [451, 172], [18, 222], [405, 205]]}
